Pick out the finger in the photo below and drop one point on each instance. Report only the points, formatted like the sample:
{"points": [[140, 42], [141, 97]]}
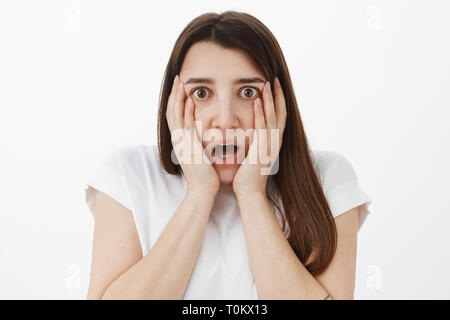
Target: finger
{"points": [[188, 107], [259, 115], [175, 83], [280, 103], [176, 80], [269, 110], [178, 106], [189, 115], [189, 124], [169, 108], [260, 125]]}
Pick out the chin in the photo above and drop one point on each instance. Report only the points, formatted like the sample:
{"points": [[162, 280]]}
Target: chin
{"points": [[226, 173]]}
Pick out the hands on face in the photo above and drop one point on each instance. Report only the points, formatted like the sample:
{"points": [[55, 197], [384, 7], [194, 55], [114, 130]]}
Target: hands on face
{"points": [[269, 120], [200, 175]]}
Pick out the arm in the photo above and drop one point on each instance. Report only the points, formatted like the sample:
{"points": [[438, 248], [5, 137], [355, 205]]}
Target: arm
{"points": [[278, 273], [118, 269]]}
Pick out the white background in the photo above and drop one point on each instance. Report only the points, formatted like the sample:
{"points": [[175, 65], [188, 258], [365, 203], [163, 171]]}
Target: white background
{"points": [[79, 79]]}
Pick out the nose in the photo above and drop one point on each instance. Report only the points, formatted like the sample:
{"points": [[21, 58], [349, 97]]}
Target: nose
{"points": [[225, 117]]}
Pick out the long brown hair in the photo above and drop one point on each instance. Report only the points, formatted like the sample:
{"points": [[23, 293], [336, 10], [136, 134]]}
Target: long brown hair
{"points": [[312, 230]]}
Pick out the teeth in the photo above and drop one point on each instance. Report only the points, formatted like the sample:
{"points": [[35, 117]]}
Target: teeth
{"points": [[225, 150]]}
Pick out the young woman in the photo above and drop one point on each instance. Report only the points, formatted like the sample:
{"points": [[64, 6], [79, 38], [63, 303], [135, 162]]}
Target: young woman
{"points": [[168, 227]]}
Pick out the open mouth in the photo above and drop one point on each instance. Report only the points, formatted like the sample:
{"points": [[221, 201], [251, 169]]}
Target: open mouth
{"points": [[225, 151]]}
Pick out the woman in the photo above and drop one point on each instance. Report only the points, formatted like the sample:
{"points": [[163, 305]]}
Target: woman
{"points": [[225, 227]]}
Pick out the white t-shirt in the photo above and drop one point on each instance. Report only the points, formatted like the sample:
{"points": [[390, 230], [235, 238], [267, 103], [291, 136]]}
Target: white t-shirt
{"points": [[133, 176]]}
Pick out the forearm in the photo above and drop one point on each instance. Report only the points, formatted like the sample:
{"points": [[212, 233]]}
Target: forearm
{"points": [[278, 273], [165, 270]]}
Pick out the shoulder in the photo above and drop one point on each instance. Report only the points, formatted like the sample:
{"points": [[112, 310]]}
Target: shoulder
{"points": [[340, 184], [127, 174], [135, 161], [133, 155], [134, 152], [334, 169]]}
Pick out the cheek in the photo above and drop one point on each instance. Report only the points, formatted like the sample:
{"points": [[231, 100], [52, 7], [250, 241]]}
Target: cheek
{"points": [[202, 114], [244, 113], [247, 118], [200, 118]]}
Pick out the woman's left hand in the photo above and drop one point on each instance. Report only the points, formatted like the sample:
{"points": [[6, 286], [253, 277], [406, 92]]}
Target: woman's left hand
{"points": [[270, 120]]}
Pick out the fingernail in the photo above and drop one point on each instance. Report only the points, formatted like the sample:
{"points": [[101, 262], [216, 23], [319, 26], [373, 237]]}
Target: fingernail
{"points": [[268, 85], [277, 82], [176, 79]]}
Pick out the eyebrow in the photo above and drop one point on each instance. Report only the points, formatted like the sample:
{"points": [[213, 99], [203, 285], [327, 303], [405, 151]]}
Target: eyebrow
{"points": [[211, 81]]}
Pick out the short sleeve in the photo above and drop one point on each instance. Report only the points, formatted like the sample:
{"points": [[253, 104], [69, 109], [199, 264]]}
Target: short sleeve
{"points": [[342, 188], [110, 179]]}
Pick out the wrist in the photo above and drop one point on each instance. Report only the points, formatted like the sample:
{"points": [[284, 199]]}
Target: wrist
{"points": [[200, 194], [250, 195], [246, 189]]}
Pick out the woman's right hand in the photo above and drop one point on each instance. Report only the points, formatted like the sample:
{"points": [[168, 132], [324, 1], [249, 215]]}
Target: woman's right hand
{"points": [[197, 168]]}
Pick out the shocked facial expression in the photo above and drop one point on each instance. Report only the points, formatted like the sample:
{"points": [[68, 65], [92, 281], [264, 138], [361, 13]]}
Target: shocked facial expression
{"points": [[223, 84]]}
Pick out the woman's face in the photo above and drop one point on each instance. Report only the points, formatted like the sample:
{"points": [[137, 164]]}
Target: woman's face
{"points": [[221, 102]]}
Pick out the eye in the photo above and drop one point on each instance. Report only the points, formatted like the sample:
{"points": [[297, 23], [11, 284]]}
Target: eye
{"points": [[247, 90], [199, 90]]}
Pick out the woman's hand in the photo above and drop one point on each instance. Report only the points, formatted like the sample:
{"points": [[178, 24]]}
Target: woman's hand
{"points": [[270, 120], [197, 168]]}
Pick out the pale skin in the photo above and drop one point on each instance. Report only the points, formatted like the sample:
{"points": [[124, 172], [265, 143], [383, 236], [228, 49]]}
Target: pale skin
{"points": [[120, 271]]}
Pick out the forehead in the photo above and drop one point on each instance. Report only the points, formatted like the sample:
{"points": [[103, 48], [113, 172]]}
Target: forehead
{"points": [[205, 59]]}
